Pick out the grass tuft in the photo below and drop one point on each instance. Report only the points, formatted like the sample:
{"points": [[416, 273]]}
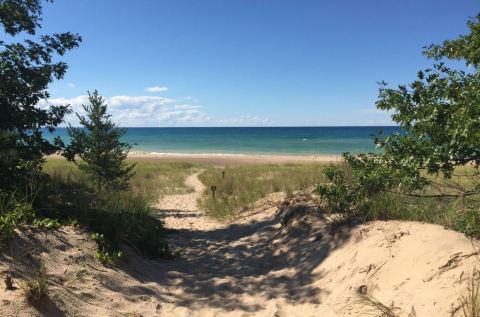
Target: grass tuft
{"points": [[470, 302], [36, 288]]}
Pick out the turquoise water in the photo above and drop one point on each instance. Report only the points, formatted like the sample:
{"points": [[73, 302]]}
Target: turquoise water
{"points": [[258, 140]]}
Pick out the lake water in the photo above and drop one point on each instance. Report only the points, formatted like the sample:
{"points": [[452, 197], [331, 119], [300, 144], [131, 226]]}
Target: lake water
{"points": [[252, 140]]}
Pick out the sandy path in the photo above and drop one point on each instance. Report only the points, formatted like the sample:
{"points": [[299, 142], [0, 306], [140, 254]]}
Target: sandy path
{"points": [[181, 211]]}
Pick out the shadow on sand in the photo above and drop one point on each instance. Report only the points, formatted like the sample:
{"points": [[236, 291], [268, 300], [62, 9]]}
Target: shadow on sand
{"points": [[260, 258]]}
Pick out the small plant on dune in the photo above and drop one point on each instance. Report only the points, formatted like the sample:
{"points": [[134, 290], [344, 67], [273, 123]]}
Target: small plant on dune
{"points": [[36, 288], [105, 253], [46, 223]]}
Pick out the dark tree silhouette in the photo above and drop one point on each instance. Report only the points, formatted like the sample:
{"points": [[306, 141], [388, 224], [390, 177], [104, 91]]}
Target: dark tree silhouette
{"points": [[26, 70]]}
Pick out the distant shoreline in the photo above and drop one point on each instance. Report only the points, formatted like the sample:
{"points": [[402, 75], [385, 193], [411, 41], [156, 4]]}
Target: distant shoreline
{"points": [[228, 159], [234, 159]]}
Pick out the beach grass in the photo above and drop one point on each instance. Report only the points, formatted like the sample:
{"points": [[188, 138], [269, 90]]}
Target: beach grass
{"points": [[152, 179], [241, 186], [433, 204]]}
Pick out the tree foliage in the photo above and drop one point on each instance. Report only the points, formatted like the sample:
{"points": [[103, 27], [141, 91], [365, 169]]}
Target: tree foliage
{"points": [[98, 145], [439, 114], [26, 70]]}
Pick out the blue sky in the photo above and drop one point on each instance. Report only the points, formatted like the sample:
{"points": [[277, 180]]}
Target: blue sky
{"points": [[246, 62]]}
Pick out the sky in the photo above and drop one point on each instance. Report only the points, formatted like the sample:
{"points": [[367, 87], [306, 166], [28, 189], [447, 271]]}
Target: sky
{"points": [[247, 62]]}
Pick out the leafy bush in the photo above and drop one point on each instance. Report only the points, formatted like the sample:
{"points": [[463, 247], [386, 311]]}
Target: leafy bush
{"points": [[353, 186], [340, 195]]}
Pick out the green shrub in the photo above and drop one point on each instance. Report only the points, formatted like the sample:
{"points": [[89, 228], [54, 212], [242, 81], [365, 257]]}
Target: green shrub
{"points": [[341, 195]]}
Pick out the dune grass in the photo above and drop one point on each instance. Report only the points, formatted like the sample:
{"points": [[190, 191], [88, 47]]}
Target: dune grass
{"points": [[114, 217], [152, 179], [244, 185]]}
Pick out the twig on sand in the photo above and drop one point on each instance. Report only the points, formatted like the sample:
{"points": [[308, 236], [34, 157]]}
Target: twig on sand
{"points": [[452, 263]]}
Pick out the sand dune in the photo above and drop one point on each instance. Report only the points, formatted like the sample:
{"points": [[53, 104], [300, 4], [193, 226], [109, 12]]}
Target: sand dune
{"points": [[286, 261]]}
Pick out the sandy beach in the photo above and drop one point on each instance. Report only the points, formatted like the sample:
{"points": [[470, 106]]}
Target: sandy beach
{"points": [[277, 261], [234, 159]]}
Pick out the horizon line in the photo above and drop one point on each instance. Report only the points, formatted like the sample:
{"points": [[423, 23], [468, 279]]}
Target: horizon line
{"points": [[273, 126]]}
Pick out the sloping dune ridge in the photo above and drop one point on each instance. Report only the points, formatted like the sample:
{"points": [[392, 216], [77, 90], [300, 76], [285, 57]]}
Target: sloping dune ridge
{"points": [[283, 260]]}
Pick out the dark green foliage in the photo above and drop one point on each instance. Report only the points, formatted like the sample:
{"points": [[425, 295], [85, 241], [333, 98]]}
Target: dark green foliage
{"points": [[103, 156], [26, 70], [120, 217], [20, 15]]}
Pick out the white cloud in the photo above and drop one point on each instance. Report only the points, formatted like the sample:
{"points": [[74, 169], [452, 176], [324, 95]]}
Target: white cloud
{"points": [[153, 111], [156, 89], [71, 85]]}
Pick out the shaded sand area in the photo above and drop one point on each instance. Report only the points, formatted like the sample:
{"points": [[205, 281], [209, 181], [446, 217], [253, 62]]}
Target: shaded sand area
{"points": [[284, 260]]}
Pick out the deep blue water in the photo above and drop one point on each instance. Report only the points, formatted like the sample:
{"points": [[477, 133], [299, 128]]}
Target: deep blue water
{"points": [[258, 140]]}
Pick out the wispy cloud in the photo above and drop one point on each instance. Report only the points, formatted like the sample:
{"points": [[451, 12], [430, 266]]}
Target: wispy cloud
{"points": [[244, 120], [156, 89], [377, 116], [153, 111], [71, 85]]}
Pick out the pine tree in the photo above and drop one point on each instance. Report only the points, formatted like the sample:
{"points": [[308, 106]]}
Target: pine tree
{"points": [[97, 144]]}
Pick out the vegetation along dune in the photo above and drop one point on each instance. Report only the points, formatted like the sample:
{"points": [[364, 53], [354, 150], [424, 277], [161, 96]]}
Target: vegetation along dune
{"points": [[194, 211]]}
